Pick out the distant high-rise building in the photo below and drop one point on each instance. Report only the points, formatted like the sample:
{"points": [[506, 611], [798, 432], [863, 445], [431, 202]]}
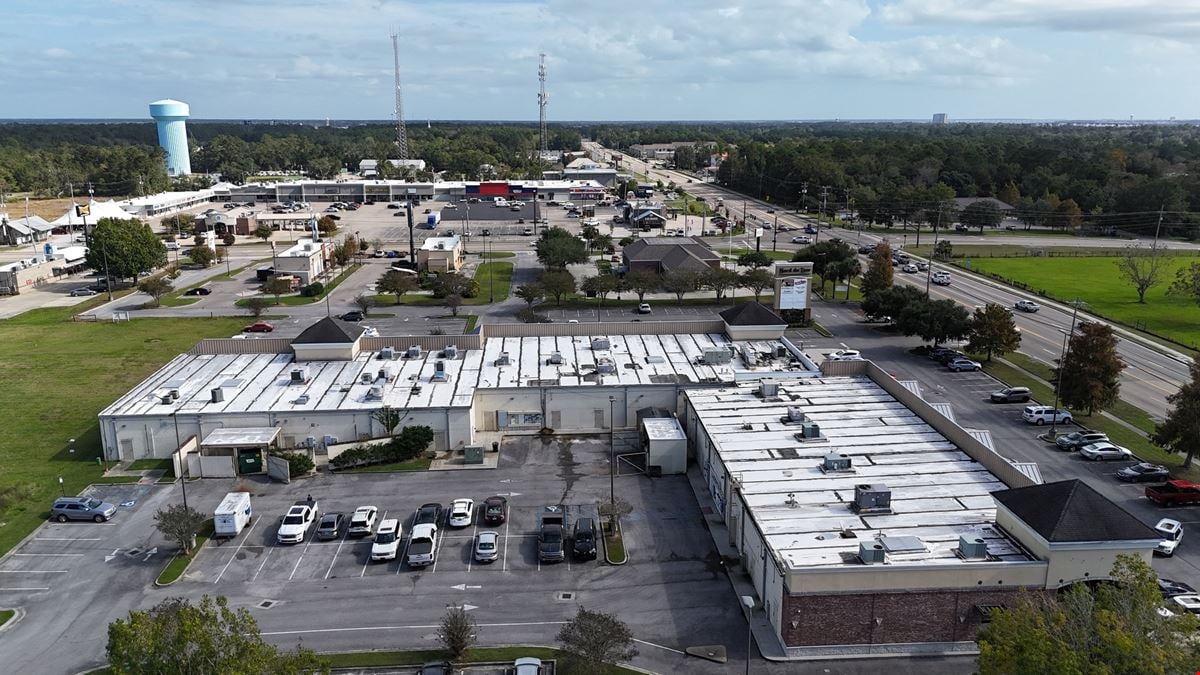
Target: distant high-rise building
{"points": [[171, 116], [940, 118]]}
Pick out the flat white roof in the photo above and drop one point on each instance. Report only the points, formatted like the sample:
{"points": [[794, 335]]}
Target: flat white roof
{"points": [[263, 382], [937, 491], [440, 243], [240, 437], [304, 248], [663, 429]]}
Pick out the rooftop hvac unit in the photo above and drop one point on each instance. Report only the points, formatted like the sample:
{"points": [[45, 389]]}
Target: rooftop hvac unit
{"points": [[300, 375], [749, 356], [167, 400], [503, 359], [605, 366], [555, 359], [387, 353], [310, 442], [716, 356], [871, 553], [781, 352], [414, 352], [872, 498], [972, 547], [375, 394], [795, 415], [174, 394], [217, 395], [810, 430], [600, 344], [439, 372], [836, 462], [767, 389], [450, 352], [329, 440], [366, 377]]}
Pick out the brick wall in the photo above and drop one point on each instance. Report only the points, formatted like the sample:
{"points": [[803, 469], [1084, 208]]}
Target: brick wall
{"points": [[888, 618]]}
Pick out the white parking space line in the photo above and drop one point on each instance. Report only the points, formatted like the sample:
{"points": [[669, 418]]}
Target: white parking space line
{"points": [[438, 538], [237, 550], [262, 564], [298, 560], [34, 571], [368, 560], [335, 555], [45, 555], [474, 531], [504, 554], [413, 627], [404, 554], [29, 588], [68, 539]]}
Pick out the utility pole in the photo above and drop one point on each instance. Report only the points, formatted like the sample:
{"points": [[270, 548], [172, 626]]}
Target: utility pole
{"points": [[775, 234], [401, 131], [1062, 361], [929, 272]]}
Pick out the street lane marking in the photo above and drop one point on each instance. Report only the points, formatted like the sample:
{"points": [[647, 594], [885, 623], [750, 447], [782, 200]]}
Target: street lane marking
{"points": [[31, 588], [34, 571], [411, 627], [47, 554], [68, 539]]}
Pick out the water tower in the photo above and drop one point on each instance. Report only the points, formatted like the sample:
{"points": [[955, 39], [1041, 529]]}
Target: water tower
{"points": [[171, 116]]}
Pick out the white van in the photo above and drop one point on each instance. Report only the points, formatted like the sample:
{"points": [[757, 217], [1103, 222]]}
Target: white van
{"points": [[232, 515]]}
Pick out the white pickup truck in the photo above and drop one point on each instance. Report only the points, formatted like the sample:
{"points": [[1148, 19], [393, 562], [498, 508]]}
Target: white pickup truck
{"points": [[296, 524], [422, 546]]}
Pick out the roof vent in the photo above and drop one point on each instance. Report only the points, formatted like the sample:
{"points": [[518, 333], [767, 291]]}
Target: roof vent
{"points": [[299, 375], [450, 352], [600, 344], [414, 352], [809, 431], [795, 415], [375, 394], [972, 547], [174, 394], [872, 498], [871, 553], [217, 395], [503, 359], [439, 372], [387, 353], [166, 399], [605, 366], [555, 359], [781, 352], [716, 356], [836, 462], [767, 389], [367, 377], [749, 356]]}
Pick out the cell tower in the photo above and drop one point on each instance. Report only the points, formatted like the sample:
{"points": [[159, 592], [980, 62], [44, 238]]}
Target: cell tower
{"points": [[543, 99], [401, 132]]}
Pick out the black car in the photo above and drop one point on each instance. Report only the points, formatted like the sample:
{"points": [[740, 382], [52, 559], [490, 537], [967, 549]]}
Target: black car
{"points": [[809, 229], [428, 514], [583, 540], [354, 316], [866, 249], [495, 510], [1170, 589], [1144, 473], [331, 526], [486, 232], [198, 291]]}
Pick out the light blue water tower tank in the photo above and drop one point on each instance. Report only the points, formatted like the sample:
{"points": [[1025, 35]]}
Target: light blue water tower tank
{"points": [[171, 116]]}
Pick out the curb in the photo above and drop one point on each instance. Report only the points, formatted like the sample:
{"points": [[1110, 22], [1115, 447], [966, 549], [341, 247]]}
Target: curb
{"points": [[158, 583], [18, 614], [607, 558]]}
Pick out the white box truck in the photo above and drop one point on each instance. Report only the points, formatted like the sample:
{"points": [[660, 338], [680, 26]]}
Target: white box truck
{"points": [[232, 515]]}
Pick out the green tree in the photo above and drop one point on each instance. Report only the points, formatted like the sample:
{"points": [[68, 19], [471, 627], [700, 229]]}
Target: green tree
{"points": [[1068, 215], [599, 286], [1009, 194], [179, 524], [1187, 283], [643, 282], [679, 282], [156, 287], [397, 283], [453, 283], [257, 306], [943, 250], [879, 275], [993, 331], [1113, 628], [1180, 431], [557, 284], [557, 248], [719, 280], [984, 213], [364, 302], [1142, 268], [125, 248], [276, 286], [327, 225], [842, 270], [176, 636], [824, 253], [530, 293], [758, 280], [389, 417], [456, 632], [893, 301], [594, 641], [453, 302], [754, 259], [263, 232], [202, 255], [1090, 375], [934, 321]]}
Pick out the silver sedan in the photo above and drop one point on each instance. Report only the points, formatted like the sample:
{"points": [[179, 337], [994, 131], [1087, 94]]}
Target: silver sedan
{"points": [[487, 547]]}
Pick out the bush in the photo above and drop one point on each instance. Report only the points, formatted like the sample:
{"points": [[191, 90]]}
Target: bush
{"points": [[313, 290], [406, 445], [298, 464], [528, 315]]}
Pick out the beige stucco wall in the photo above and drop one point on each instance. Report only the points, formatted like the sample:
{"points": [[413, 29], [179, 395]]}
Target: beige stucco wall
{"points": [[866, 578], [325, 352]]}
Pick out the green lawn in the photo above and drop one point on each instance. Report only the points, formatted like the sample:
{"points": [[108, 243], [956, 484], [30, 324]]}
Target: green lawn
{"points": [[47, 403], [153, 465], [177, 298], [179, 564], [498, 274], [773, 255], [1096, 282], [6, 615], [818, 284], [383, 659], [291, 300]]}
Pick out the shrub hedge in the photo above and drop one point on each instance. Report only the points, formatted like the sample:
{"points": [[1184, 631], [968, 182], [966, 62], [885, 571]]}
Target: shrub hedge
{"points": [[298, 464], [409, 443]]}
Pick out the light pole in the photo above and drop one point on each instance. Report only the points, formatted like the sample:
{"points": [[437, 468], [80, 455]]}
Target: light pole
{"points": [[1062, 361], [61, 487], [612, 454], [775, 233], [748, 604], [182, 468]]}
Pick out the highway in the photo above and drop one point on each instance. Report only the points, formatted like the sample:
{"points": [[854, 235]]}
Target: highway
{"points": [[1153, 371]]}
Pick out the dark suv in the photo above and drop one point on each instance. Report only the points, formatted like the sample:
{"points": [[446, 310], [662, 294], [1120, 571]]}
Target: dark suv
{"points": [[81, 508], [1011, 395], [429, 514], [583, 541]]}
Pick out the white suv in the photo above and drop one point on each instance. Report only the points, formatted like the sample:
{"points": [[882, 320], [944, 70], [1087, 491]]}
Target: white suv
{"points": [[941, 278], [387, 540], [1040, 414]]}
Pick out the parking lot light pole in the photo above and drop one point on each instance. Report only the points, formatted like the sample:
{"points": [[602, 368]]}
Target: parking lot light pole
{"points": [[748, 603], [1062, 361], [62, 488], [182, 480], [612, 453]]}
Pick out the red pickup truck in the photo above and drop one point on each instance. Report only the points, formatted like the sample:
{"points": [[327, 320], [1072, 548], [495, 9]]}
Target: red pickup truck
{"points": [[1174, 492]]}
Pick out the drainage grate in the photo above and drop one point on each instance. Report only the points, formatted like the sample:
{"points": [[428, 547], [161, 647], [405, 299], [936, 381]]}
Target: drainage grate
{"points": [[566, 595], [133, 552], [266, 604]]}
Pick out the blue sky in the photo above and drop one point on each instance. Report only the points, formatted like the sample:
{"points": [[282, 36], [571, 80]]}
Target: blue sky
{"points": [[616, 60]]}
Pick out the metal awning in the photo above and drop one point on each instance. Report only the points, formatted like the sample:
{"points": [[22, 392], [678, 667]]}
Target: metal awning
{"points": [[240, 438]]}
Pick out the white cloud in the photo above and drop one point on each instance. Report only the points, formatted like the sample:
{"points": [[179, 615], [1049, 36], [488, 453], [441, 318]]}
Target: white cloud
{"points": [[57, 53], [1177, 18]]}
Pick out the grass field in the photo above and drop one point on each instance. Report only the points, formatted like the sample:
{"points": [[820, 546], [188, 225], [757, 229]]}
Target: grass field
{"points": [[6, 615], [180, 562], [57, 376], [1096, 282], [487, 274], [300, 299]]}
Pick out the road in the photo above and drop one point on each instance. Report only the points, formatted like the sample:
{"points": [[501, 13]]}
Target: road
{"points": [[1154, 371]]}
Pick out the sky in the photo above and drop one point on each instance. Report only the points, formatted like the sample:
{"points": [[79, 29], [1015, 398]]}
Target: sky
{"points": [[613, 60]]}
